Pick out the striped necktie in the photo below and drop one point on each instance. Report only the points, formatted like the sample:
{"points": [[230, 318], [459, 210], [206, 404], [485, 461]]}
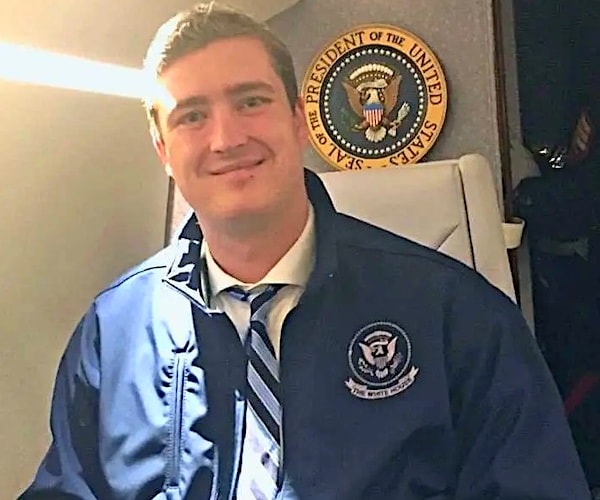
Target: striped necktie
{"points": [[260, 474]]}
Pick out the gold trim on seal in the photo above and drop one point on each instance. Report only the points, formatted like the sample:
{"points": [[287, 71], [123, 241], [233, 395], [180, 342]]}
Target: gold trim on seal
{"points": [[388, 98]]}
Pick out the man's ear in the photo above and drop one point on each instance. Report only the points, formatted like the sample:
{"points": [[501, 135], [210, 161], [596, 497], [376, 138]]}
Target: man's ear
{"points": [[161, 151], [300, 120], [168, 169]]}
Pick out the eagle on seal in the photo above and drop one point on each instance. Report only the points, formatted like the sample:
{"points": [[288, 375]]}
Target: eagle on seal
{"points": [[372, 92]]}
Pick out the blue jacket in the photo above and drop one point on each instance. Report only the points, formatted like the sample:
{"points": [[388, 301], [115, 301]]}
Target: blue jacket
{"points": [[404, 376]]}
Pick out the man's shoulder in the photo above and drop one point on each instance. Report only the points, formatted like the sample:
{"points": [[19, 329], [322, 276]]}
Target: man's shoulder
{"points": [[361, 236], [384, 255], [143, 275]]}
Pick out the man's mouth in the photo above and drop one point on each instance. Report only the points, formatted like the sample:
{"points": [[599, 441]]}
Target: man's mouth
{"points": [[238, 165]]}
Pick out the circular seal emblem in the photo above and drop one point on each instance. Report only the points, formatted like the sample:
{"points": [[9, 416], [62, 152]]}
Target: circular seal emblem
{"points": [[380, 361], [374, 97]]}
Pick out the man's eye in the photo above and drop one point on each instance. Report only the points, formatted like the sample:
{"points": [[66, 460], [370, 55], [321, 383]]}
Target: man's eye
{"points": [[192, 117], [253, 102]]}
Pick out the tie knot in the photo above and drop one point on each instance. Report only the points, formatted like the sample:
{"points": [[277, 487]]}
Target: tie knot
{"points": [[257, 297], [237, 292]]}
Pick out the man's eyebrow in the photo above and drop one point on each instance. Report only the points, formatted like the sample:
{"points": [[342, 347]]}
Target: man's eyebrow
{"points": [[232, 91], [188, 102], [251, 86]]}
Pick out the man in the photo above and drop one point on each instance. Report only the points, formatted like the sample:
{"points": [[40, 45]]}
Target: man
{"points": [[226, 365]]}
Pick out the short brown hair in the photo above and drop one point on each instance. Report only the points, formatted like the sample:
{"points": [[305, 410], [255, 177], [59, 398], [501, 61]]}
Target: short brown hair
{"points": [[199, 26]]}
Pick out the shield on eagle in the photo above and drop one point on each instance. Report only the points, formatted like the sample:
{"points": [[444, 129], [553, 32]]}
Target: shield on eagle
{"points": [[373, 113]]}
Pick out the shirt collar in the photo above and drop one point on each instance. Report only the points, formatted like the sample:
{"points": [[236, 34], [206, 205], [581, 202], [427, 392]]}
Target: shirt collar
{"points": [[293, 268]]}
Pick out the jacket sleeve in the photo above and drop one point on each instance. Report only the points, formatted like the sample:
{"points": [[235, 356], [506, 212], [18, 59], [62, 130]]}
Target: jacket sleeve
{"points": [[512, 432], [70, 469]]}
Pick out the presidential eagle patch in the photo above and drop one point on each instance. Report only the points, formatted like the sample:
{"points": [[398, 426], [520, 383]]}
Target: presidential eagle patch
{"points": [[380, 360]]}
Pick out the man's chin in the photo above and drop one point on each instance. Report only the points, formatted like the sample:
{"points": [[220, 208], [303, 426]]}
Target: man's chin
{"points": [[245, 213]]}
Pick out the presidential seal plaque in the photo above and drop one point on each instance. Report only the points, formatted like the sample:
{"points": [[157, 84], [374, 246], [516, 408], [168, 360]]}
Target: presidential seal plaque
{"points": [[375, 97]]}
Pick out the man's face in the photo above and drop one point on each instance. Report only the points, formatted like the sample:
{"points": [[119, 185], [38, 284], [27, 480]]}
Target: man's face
{"points": [[230, 139]]}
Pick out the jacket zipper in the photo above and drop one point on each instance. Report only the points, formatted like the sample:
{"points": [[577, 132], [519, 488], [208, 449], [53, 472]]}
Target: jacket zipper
{"points": [[240, 411], [173, 466], [238, 433]]}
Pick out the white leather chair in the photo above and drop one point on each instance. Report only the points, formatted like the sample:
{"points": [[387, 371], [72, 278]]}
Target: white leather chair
{"points": [[448, 205]]}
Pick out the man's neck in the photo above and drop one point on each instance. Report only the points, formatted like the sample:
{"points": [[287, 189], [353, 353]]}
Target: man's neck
{"points": [[248, 255]]}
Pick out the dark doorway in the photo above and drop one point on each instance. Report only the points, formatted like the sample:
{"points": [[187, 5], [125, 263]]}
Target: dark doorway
{"points": [[558, 58]]}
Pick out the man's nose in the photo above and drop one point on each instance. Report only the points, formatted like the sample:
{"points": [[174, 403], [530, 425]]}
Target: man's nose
{"points": [[227, 131]]}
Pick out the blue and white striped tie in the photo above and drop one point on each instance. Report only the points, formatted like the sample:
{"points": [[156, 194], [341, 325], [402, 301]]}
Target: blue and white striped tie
{"points": [[260, 475]]}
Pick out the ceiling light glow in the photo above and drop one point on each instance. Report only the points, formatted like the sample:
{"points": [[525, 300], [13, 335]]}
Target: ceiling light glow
{"points": [[23, 64]]}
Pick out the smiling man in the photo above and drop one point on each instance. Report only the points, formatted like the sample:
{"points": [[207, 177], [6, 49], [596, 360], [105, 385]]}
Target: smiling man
{"points": [[279, 349]]}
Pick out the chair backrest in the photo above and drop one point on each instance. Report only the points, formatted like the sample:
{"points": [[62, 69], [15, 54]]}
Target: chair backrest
{"points": [[449, 205]]}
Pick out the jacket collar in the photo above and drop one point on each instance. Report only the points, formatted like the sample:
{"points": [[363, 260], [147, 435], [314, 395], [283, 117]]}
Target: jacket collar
{"points": [[186, 270]]}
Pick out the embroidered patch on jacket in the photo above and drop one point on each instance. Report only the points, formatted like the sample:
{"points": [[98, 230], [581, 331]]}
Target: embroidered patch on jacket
{"points": [[380, 360]]}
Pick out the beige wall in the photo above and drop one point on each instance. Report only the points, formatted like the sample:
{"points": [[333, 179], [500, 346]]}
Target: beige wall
{"points": [[82, 198]]}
